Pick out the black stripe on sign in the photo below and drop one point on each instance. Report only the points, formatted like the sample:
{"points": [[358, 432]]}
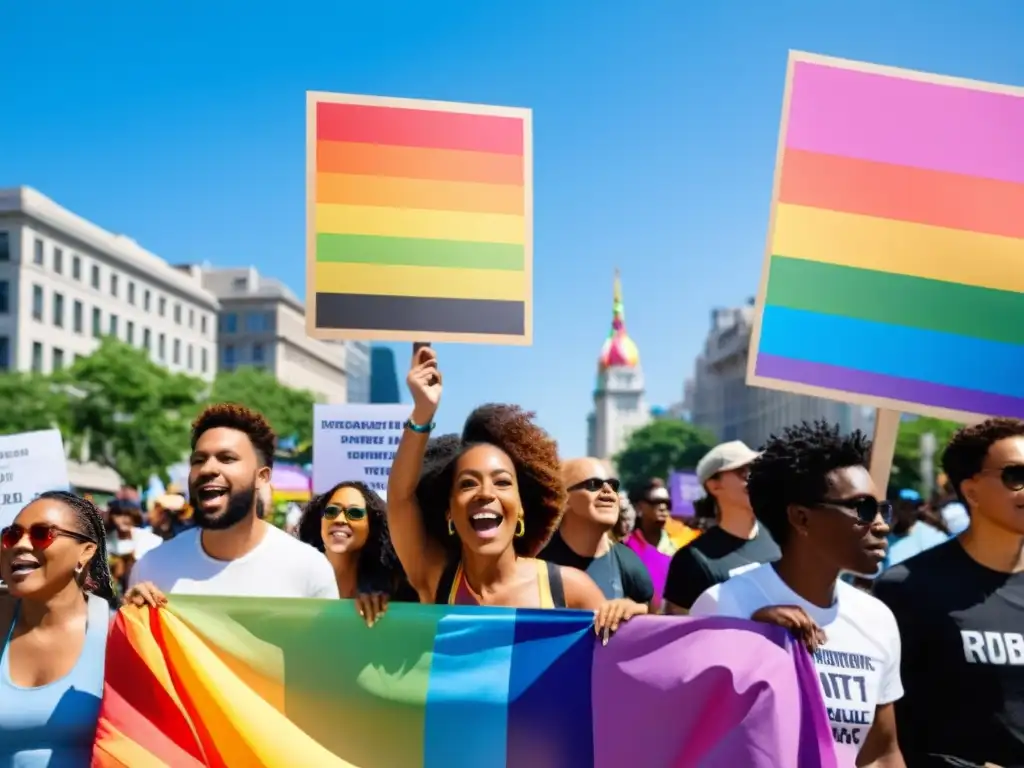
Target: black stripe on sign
{"points": [[357, 311]]}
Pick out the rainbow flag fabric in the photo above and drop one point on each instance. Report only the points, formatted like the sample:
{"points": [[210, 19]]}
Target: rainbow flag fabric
{"points": [[893, 273], [419, 220], [244, 682]]}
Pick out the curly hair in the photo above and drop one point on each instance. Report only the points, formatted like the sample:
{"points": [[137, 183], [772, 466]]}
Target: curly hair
{"points": [[534, 455], [965, 455], [794, 467], [238, 417], [89, 522], [379, 568]]}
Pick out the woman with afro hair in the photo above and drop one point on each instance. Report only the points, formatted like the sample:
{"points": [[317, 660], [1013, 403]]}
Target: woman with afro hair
{"points": [[349, 525], [469, 515]]}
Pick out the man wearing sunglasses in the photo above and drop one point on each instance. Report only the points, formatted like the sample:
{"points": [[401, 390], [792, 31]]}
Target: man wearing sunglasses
{"points": [[811, 489], [960, 607], [583, 540]]}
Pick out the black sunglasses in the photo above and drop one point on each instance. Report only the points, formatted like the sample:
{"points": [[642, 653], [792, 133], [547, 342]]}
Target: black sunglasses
{"points": [[595, 484], [866, 508], [1012, 476], [351, 513]]}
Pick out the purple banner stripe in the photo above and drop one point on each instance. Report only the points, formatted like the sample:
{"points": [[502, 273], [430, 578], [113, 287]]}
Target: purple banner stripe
{"points": [[908, 390]]}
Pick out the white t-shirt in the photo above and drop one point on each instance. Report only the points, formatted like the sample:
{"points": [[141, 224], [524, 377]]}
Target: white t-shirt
{"points": [[141, 542], [859, 665], [279, 566]]}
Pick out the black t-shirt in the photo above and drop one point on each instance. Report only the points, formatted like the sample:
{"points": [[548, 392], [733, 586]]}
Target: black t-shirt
{"points": [[620, 573], [712, 558], [962, 630]]}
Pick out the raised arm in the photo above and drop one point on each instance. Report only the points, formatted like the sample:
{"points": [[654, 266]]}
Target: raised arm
{"points": [[422, 558]]}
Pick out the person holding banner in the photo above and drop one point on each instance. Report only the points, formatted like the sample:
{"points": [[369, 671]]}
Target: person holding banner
{"points": [[472, 533], [811, 488], [53, 630]]}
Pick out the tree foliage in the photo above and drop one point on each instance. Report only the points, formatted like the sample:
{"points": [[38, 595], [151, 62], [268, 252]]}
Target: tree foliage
{"points": [[906, 465], [289, 411], [126, 412], [660, 447], [31, 402]]}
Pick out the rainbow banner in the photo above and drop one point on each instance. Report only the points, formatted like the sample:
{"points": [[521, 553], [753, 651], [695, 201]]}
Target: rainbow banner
{"points": [[893, 271], [244, 682], [419, 220]]}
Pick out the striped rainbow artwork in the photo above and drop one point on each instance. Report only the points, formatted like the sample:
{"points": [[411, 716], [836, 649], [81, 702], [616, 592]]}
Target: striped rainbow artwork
{"points": [[228, 682], [419, 220], [894, 274]]}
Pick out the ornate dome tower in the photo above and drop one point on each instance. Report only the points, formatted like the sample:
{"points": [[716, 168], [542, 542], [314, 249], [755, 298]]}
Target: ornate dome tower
{"points": [[619, 404]]}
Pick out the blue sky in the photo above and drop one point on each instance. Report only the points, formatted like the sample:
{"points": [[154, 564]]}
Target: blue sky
{"points": [[654, 131]]}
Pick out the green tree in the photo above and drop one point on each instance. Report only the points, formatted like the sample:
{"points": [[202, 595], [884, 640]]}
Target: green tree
{"points": [[906, 464], [128, 413], [660, 447], [31, 402], [289, 411]]}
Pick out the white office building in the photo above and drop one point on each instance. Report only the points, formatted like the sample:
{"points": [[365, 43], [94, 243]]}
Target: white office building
{"points": [[65, 283], [262, 323], [718, 398]]}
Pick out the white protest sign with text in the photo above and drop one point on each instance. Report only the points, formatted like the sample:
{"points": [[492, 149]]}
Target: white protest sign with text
{"points": [[30, 463], [355, 442]]}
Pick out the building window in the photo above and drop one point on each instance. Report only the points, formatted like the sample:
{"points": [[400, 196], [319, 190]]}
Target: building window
{"points": [[202, 324], [37, 357], [240, 283], [177, 314], [95, 277], [145, 300], [161, 347], [131, 292], [147, 340], [113, 326], [5, 246], [176, 359], [58, 310], [229, 323], [257, 353], [162, 306], [203, 363], [58, 261], [5, 297], [5, 353], [229, 356], [37, 302], [76, 316], [191, 318], [58, 359], [188, 357], [129, 332], [113, 285], [76, 267], [255, 322], [97, 325], [37, 256]]}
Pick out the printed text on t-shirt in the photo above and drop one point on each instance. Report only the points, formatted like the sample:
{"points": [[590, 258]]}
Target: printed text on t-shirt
{"points": [[843, 691]]}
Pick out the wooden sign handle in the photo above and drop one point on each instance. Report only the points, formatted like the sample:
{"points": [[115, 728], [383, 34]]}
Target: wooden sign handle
{"points": [[883, 447]]}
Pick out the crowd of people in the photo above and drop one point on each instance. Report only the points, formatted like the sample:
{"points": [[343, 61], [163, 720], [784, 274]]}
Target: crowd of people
{"points": [[919, 644]]}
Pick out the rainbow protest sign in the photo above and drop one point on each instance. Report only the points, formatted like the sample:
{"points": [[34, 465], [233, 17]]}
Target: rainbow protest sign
{"points": [[419, 220], [893, 275], [246, 682]]}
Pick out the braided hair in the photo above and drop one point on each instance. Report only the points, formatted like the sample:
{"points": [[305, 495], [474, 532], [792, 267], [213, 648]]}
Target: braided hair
{"points": [[90, 523]]}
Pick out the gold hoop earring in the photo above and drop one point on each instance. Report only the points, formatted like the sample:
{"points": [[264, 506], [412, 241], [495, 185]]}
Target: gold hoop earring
{"points": [[451, 527], [520, 527]]}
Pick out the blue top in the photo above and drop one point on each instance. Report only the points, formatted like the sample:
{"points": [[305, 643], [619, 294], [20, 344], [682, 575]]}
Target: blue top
{"points": [[921, 537], [54, 725]]}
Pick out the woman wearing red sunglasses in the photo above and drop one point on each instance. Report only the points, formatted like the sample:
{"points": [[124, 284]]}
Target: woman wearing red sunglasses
{"points": [[53, 630]]}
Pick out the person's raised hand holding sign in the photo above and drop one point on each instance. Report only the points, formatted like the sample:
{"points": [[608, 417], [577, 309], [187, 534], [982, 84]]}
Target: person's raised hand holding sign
{"points": [[424, 382]]}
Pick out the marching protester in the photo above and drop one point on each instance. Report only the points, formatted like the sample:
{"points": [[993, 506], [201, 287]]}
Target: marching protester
{"points": [[812, 490], [912, 533], [960, 607], [53, 625], [736, 544], [349, 525], [127, 540], [232, 551], [653, 507], [472, 532], [583, 540], [168, 515]]}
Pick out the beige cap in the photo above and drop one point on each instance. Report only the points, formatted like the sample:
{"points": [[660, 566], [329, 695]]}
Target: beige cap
{"points": [[172, 502], [724, 458]]}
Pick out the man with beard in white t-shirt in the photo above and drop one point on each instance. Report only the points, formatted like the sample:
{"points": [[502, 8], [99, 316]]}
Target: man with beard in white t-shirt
{"points": [[811, 489], [232, 551]]}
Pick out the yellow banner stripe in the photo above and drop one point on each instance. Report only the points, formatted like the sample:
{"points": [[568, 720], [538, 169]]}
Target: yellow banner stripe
{"points": [[899, 247], [417, 222], [431, 282]]}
